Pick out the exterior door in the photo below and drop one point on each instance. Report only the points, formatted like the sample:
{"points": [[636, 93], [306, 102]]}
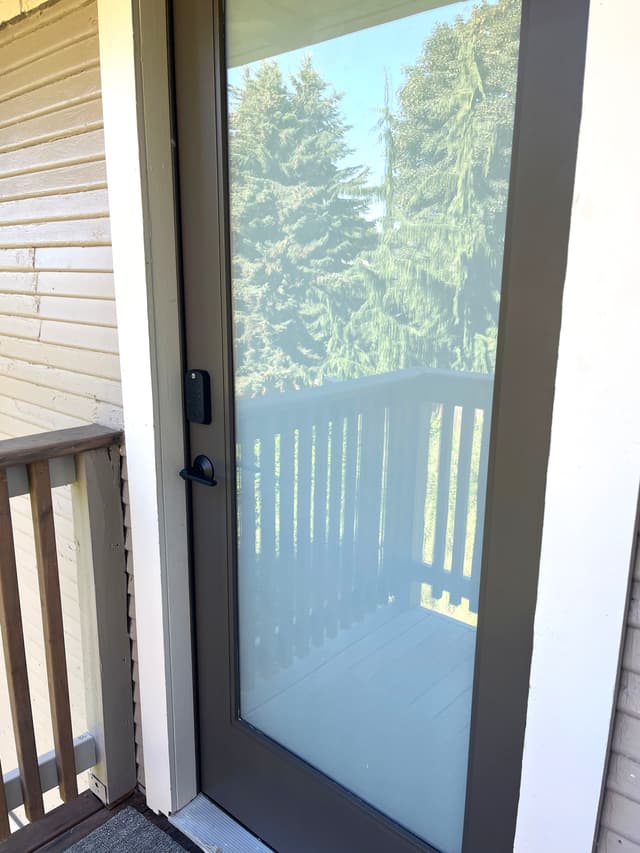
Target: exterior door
{"points": [[375, 204]]}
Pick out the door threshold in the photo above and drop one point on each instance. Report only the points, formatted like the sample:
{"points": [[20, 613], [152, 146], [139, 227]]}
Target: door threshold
{"points": [[214, 830]]}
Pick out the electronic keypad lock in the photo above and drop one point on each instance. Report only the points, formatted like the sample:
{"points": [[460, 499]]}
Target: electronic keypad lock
{"points": [[197, 396]]}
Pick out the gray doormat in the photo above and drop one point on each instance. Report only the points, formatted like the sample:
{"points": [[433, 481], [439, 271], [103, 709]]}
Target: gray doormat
{"points": [[127, 831]]}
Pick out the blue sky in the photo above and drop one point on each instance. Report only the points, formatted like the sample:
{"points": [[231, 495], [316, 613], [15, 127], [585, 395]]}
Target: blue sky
{"points": [[356, 65]]}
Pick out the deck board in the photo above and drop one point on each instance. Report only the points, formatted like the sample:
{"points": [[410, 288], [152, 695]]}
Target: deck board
{"points": [[385, 710]]}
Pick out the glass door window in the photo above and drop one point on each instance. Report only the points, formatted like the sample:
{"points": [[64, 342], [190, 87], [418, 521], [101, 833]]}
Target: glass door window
{"points": [[369, 158]]}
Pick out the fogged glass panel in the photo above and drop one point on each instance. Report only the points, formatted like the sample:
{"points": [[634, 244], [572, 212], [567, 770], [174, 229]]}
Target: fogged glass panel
{"points": [[369, 162]]}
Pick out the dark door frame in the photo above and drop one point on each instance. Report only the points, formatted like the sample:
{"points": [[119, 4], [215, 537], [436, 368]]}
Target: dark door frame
{"points": [[243, 770]]}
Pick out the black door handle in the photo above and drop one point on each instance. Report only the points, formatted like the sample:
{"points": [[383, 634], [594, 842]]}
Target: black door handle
{"points": [[200, 472]]}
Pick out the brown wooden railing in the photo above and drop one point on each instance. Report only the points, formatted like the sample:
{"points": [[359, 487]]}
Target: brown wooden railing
{"points": [[88, 459], [351, 495]]}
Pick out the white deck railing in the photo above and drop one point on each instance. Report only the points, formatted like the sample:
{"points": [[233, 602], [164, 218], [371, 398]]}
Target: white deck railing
{"points": [[353, 494]]}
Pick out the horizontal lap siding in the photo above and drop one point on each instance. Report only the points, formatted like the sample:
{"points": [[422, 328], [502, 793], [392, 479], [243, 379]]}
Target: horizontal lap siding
{"points": [[11, 9], [620, 821], [59, 363]]}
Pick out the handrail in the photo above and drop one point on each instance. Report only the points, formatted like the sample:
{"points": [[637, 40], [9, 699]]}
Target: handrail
{"points": [[443, 385], [53, 445], [84, 747], [83, 458]]}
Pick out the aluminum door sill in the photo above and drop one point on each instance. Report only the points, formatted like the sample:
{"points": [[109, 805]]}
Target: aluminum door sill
{"points": [[213, 830]]}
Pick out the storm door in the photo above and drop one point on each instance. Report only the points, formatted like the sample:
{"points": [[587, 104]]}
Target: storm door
{"points": [[375, 200]]}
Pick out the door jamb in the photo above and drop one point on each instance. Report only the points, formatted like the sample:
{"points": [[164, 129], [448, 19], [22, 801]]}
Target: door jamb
{"points": [[547, 125], [134, 66]]}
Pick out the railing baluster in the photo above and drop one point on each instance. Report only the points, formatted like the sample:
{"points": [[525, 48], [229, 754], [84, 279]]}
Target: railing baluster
{"points": [[319, 547], [50, 601], [407, 477], [483, 466], [268, 586], [247, 473], [15, 662], [285, 561], [333, 533], [302, 580], [460, 532], [444, 484], [5, 829], [348, 540], [367, 551]]}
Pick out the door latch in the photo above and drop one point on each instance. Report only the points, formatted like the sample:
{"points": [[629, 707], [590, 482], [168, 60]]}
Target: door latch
{"points": [[201, 471]]}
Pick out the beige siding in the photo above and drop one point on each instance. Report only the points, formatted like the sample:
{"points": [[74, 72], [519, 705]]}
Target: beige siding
{"points": [[132, 624], [58, 338], [620, 821], [11, 9]]}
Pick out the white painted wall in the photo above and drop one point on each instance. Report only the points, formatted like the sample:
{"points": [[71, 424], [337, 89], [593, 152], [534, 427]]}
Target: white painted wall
{"points": [[594, 465], [133, 63]]}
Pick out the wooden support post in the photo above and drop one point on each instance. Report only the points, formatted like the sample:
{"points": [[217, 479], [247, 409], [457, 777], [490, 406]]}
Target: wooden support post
{"points": [[51, 607], [15, 661], [102, 591]]}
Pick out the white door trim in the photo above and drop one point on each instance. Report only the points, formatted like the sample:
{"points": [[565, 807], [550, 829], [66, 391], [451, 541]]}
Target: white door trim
{"points": [[594, 462], [137, 127]]}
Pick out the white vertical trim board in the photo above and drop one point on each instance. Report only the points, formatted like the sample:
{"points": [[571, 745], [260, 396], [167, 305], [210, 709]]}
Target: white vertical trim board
{"points": [[594, 463], [133, 53]]}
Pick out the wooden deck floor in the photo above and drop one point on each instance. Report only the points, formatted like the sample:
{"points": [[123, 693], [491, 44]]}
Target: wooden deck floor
{"points": [[69, 823], [384, 709]]}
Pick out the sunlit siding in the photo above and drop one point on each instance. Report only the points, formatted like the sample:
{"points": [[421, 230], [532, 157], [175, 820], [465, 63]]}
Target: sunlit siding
{"points": [[59, 363], [10, 9], [620, 823]]}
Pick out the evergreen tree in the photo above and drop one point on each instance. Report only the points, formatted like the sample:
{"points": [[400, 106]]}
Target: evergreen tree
{"points": [[433, 283], [298, 225]]}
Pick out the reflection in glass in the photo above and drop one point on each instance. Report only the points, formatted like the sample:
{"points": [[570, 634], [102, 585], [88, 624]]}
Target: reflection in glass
{"points": [[369, 163]]}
